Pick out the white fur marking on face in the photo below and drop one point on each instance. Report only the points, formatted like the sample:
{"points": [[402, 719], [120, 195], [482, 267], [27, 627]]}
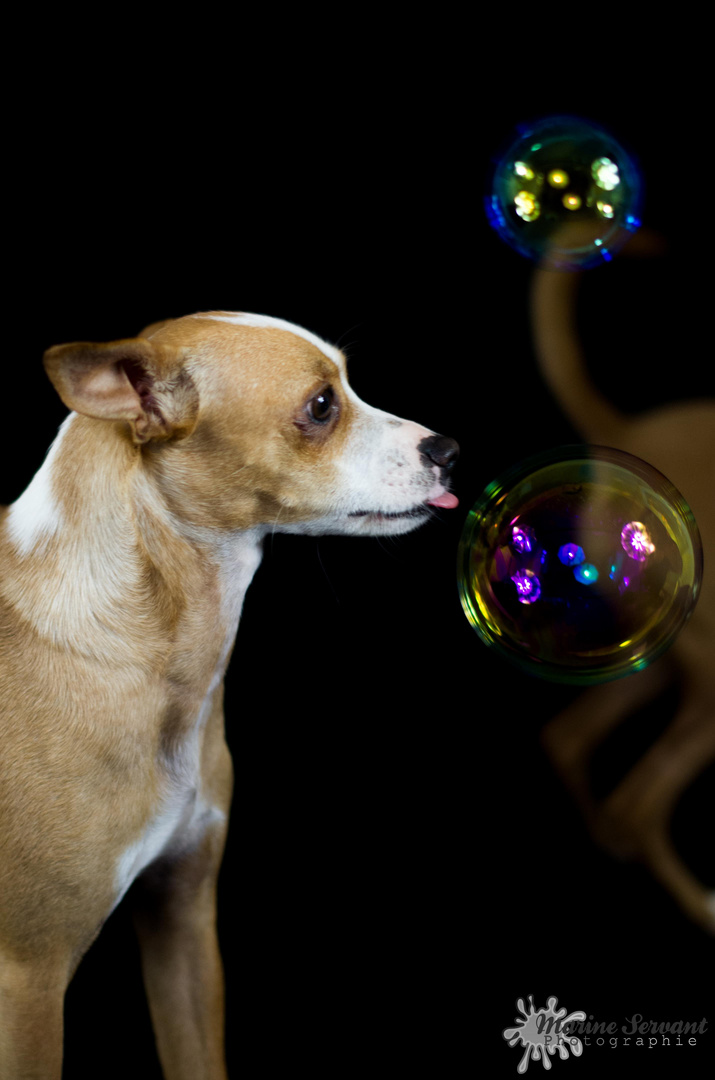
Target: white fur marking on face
{"points": [[244, 318], [35, 515]]}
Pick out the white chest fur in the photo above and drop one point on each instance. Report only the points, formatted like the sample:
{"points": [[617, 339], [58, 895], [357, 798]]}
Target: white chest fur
{"points": [[183, 814], [180, 823]]}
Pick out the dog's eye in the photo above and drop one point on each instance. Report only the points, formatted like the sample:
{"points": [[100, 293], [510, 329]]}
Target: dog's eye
{"points": [[320, 408]]}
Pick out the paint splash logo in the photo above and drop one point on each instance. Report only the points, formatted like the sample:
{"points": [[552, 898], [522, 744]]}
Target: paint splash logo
{"points": [[543, 1033]]}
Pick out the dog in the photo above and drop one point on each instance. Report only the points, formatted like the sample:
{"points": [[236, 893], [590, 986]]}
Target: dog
{"points": [[124, 568], [679, 440]]}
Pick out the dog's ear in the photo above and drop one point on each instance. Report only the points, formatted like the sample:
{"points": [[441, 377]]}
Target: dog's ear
{"points": [[133, 380]]}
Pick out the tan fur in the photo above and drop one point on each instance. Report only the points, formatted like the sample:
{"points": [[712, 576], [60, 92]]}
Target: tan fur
{"points": [[679, 440], [123, 576]]}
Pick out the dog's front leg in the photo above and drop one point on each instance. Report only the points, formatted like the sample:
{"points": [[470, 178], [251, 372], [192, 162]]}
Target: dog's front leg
{"points": [[31, 1006], [175, 917]]}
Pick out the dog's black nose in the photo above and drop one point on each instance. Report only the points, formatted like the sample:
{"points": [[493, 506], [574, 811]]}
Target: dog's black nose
{"points": [[440, 450]]}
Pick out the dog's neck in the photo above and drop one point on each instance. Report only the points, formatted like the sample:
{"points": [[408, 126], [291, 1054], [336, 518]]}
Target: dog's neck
{"points": [[140, 589]]}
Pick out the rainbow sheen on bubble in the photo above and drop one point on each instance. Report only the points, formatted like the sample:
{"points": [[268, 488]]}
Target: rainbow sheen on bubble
{"points": [[564, 193], [580, 565]]}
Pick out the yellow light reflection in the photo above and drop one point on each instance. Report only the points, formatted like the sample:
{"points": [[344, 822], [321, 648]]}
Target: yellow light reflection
{"points": [[558, 178], [571, 201], [605, 173], [522, 169], [487, 616], [526, 206]]}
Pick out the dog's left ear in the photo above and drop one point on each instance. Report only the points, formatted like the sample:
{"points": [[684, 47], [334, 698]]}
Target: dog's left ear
{"points": [[134, 380]]}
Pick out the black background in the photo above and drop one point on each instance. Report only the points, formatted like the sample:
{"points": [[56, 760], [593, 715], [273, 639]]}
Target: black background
{"points": [[402, 865]]}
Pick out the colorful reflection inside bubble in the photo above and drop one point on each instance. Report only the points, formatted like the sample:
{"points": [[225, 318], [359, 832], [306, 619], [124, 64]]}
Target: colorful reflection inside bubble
{"points": [[581, 564], [636, 541], [564, 192], [528, 586], [571, 555]]}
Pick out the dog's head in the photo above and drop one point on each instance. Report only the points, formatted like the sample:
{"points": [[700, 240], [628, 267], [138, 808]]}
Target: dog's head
{"points": [[249, 421]]}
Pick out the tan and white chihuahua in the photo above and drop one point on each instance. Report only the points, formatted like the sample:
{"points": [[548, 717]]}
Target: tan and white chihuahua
{"points": [[123, 569]]}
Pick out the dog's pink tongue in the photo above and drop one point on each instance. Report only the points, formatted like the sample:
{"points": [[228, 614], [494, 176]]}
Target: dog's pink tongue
{"points": [[448, 501]]}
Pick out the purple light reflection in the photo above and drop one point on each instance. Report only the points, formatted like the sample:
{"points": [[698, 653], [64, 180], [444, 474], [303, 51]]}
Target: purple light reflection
{"points": [[636, 541], [522, 539], [528, 586]]}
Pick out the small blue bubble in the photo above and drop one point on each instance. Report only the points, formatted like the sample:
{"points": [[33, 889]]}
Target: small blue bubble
{"points": [[571, 555], [586, 573]]}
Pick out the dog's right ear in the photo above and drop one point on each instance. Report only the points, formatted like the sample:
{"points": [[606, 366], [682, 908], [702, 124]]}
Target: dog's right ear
{"points": [[133, 380]]}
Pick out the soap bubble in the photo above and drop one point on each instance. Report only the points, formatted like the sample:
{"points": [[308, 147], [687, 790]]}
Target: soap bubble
{"points": [[565, 193], [580, 564]]}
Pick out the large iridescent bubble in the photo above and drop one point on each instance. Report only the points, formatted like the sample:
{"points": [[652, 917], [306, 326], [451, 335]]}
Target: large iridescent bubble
{"points": [[580, 564], [565, 193]]}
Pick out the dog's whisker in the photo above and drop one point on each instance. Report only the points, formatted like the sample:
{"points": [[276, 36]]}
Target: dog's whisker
{"points": [[336, 597], [344, 345]]}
